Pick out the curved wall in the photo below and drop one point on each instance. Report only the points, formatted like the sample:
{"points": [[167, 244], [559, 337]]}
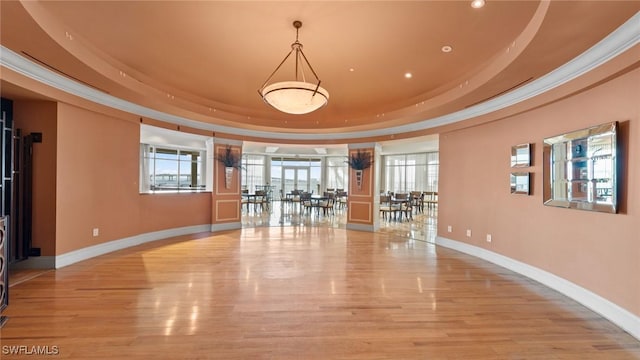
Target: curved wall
{"points": [[86, 176], [97, 184], [596, 251]]}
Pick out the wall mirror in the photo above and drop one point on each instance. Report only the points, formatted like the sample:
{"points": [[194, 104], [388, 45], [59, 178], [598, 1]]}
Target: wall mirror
{"points": [[520, 155], [579, 169], [520, 183]]}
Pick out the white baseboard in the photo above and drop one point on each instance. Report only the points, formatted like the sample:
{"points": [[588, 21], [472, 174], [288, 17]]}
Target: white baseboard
{"points": [[226, 226], [360, 227], [89, 252], [609, 310]]}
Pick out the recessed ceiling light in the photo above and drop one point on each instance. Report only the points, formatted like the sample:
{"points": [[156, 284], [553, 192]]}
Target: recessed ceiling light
{"points": [[408, 75], [477, 4], [352, 69], [447, 49]]}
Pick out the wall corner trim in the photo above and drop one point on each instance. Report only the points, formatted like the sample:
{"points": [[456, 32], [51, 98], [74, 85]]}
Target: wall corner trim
{"points": [[619, 316], [89, 252]]}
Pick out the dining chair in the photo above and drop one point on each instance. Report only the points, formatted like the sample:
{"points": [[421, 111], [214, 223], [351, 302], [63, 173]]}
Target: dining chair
{"points": [[430, 199], [260, 199], [417, 200], [341, 199], [327, 205], [305, 201], [386, 207]]}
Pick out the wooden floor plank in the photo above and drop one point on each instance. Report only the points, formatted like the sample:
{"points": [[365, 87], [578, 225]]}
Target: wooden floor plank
{"points": [[301, 293]]}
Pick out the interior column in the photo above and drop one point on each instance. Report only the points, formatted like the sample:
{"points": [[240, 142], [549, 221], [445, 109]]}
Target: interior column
{"points": [[363, 196], [226, 194]]}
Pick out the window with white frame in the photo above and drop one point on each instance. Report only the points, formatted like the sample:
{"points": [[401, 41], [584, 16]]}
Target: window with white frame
{"points": [[411, 172], [299, 173], [433, 172], [167, 168], [337, 173], [253, 171], [174, 161]]}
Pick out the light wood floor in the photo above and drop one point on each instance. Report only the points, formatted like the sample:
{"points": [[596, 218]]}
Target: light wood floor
{"points": [[301, 293], [423, 225]]}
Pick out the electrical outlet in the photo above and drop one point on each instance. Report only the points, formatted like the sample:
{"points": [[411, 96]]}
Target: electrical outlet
{"points": [[468, 232], [488, 237], [96, 231], [449, 228]]}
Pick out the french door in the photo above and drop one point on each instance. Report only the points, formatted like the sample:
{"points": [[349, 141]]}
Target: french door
{"points": [[295, 178]]}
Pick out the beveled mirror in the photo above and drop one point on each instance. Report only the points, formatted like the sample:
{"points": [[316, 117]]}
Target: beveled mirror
{"points": [[579, 169], [520, 183], [520, 155]]}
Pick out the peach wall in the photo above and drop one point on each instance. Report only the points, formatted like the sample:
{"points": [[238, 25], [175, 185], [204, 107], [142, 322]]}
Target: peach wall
{"points": [[41, 116], [598, 251], [97, 184]]}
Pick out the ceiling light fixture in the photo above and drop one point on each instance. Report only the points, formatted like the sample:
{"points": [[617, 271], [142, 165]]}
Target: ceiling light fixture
{"points": [[477, 4], [295, 97]]}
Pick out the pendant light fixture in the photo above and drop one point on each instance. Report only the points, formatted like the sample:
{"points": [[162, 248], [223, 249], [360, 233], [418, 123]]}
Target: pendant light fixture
{"points": [[297, 96]]}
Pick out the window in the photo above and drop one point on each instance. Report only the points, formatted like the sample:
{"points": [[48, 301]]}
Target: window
{"points": [[165, 168], [276, 174], [337, 173], [296, 173], [253, 171], [433, 171], [411, 172], [174, 161]]}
